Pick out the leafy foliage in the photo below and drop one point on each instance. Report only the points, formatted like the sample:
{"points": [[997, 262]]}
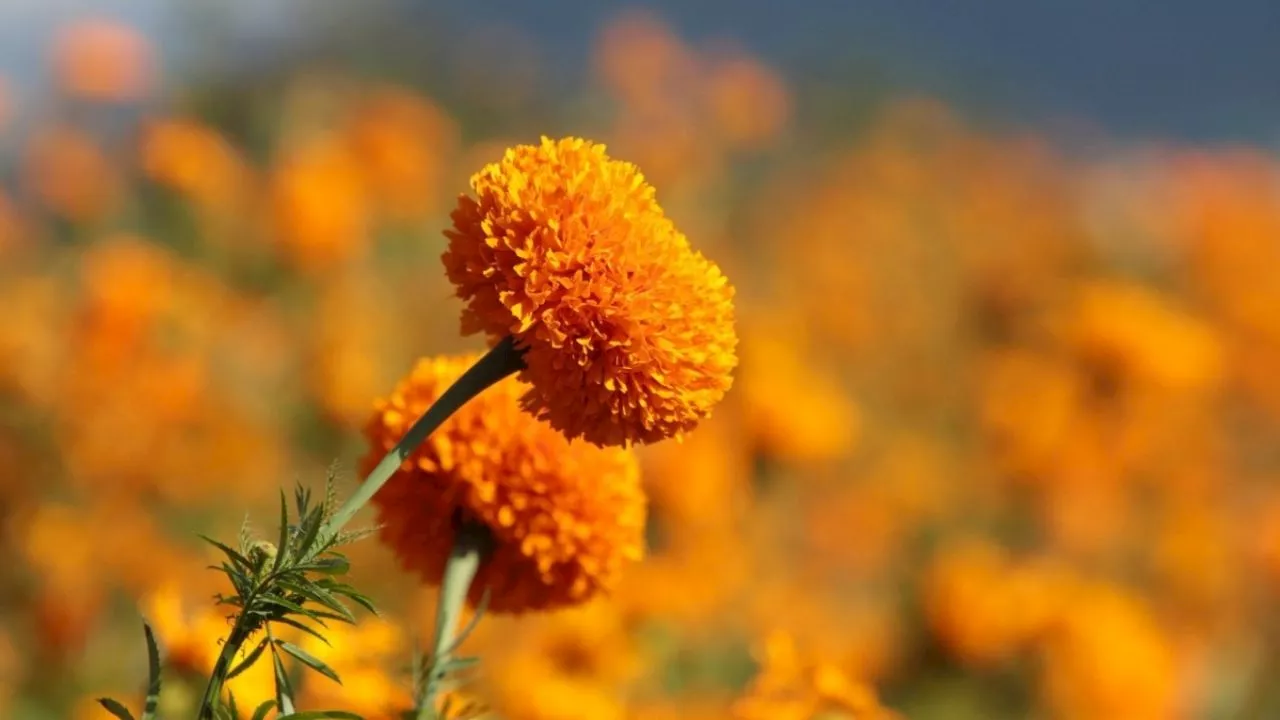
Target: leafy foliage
{"points": [[293, 582]]}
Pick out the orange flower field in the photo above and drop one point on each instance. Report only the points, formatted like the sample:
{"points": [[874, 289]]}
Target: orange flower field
{"points": [[921, 417]]}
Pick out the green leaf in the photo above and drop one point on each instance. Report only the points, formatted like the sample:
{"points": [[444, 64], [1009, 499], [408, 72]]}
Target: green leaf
{"points": [[246, 535], [266, 707], [115, 708], [284, 689], [236, 557], [332, 565], [320, 715], [239, 580], [302, 500], [282, 546], [310, 530], [249, 659], [315, 593], [289, 605], [473, 624], [346, 537], [232, 600], [348, 592], [453, 665], [303, 627], [330, 502], [153, 674], [309, 660]]}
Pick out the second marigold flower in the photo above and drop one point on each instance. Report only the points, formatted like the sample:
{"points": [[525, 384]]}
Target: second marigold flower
{"points": [[564, 518], [627, 332]]}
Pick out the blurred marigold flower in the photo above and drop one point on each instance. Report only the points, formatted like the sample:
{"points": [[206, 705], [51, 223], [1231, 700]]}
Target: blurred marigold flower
{"points": [[192, 636], [796, 411], [105, 60], [748, 101], [1109, 657], [627, 331], [793, 687], [402, 141], [564, 517], [641, 61], [363, 656], [985, 608], [574, 665], [71, 174], [195, 160], [1141, 335], [320, 206]]}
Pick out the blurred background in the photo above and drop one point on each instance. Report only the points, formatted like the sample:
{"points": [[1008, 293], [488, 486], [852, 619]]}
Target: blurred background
{"points": [[1004, 444]]}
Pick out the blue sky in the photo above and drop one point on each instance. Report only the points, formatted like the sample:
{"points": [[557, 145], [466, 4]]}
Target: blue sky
{"points": [[1177, 69]]}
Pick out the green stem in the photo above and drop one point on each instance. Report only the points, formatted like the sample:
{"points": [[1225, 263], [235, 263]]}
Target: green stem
{"points": [[501, 361], [470, 545], [213, 690]]}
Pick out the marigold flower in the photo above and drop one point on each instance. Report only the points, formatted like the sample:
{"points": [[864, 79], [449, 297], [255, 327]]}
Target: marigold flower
{"points": [[105, 60], [321, 208], [574, 665], [791, 686], [195, 160], [70, 173], [564, 517], [192, 637], [627, 331], [361, 655], [1110, 657]]}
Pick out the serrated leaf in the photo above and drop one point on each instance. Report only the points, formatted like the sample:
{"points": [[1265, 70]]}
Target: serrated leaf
{"points": [[249, 659], [246, 535], [310, 531], [330, 490], [239, 580], [282, 545], [261, 712], [301, 500], [153, 674], [236, 557], [473, 623], [115, 708], [347, 537], [313, 592], [348, 592], [289, 605], [303, 627], [336, 565], [309, 660], [453, 665], [284, 689], [322, 615]]}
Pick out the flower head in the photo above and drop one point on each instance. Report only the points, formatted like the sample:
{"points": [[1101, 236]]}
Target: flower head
{"points": [[791, 686], [627, 331], [564, 517]]}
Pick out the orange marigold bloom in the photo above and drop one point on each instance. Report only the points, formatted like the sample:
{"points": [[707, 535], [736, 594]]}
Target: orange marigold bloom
{"points": [[627, 331], [105, 60], [565, 517], [791, 686], [195, 160]]}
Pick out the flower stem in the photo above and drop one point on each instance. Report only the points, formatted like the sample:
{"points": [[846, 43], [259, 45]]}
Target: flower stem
{"points": [[502, 360], [213, 690], [471, 543]]}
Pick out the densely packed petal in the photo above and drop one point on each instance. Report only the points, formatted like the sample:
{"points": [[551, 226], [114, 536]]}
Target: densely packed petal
{"points": [[565, 517], [628, 332]]}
